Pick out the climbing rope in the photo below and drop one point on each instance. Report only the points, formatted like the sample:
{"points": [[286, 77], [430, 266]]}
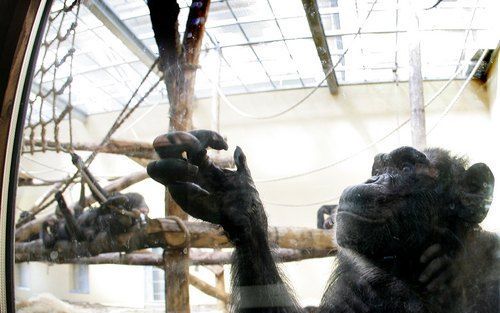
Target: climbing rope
{"points": [[372, 144], [122, 117], [441, 117], [46, 77]]}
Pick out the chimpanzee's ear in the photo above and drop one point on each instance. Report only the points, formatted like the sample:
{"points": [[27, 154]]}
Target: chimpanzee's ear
{"points": [[476, 193]]}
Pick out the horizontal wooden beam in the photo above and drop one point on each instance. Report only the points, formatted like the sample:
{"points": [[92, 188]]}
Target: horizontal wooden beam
{"points": [[197, 257], [166, 233], [139, 151]]}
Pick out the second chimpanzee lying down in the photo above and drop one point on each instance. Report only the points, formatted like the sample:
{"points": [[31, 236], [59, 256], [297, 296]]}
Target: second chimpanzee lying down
{"points": [[409, 236], [117, 215]]}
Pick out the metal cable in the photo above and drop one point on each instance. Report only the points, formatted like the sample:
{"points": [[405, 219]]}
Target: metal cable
{"points": [[367, 147]]}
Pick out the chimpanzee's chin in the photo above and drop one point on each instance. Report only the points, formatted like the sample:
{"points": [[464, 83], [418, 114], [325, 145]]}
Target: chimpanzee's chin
{"points": [[364, 235]]}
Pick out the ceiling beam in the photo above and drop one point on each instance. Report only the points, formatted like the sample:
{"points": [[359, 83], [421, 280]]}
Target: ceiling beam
{"points": [[318, 35], [106, 15]]}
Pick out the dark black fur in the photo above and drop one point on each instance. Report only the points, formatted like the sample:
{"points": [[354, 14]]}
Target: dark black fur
{"points": [[413, 200], [409, 236], [106, 218]]}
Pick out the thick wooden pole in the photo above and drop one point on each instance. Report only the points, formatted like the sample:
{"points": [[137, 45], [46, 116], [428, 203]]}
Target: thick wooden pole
{"points": [[179, 64], [221, 286], [415, 85]]}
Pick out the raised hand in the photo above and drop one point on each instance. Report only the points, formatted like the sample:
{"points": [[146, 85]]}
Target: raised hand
{"points": [[438, 259], [204, 190]]}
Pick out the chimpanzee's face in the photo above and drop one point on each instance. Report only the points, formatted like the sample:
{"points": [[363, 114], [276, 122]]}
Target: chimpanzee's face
{"points": [[391, 210]]}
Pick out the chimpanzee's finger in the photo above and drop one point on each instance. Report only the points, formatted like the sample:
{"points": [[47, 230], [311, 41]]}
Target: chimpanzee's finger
{"points": [[209, 138], [166, 171], [241, 161], [433, 268], [195, 201], [173, 144], [430, 253], [440, 282]]}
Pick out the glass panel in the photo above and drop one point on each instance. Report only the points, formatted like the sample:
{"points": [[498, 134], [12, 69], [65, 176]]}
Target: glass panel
{"points": [[239, 54], [261, 31], [228, 35], [295, 27], [293, 8], [279, 66], [251, 10], [220, 15], [331, 23], [98, 219]]}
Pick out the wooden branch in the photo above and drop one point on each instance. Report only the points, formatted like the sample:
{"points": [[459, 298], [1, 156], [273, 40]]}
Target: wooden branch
{"points": [[140, 152], [26, 231], [166, 233], [123, 147], [208, 289], [197, 257]]}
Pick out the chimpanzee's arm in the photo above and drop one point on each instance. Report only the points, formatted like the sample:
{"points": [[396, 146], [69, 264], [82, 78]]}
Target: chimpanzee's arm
{"points": [[257, 284], [228, 198]]}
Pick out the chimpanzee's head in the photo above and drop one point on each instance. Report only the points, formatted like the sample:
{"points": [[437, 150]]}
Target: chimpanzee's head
{"points": [[409, 196]]}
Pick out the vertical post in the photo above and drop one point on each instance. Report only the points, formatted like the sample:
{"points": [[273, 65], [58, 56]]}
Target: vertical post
{"points": [[415, 85], [215, 94], [179, 65], [220, 284]]}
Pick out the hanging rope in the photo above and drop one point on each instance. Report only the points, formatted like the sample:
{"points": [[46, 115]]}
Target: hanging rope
{"points": [[442, 116], [121, 118], [47, 75], [369, 146], [307, 96], [460, 92]]}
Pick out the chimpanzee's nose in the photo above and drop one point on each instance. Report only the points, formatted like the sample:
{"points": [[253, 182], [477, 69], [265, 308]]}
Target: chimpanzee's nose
{"points": [[373, 179]]}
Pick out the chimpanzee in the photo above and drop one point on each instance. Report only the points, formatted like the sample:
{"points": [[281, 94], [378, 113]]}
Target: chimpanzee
{"points": [[409, 236], [118, 214], [329, 210]]}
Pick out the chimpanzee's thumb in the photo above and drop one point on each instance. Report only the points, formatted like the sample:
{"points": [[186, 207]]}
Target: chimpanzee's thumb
{"points": [[241, 161]]}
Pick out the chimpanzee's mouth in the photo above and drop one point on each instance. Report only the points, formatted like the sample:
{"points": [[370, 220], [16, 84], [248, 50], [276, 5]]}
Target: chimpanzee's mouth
{"points": [[360, 217]]}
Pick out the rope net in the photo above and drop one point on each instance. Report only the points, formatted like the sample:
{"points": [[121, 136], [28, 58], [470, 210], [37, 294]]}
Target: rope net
{"points": [[50, 100]]}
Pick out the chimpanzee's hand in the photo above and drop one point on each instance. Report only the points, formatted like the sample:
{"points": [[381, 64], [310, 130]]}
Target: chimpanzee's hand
{"points": [[439, 269], [203, 189]]}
